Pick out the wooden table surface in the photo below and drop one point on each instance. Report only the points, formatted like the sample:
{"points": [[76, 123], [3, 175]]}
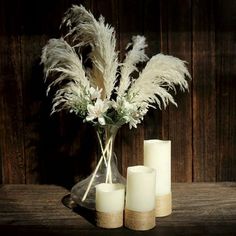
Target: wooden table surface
{"points": [[198, 209]]}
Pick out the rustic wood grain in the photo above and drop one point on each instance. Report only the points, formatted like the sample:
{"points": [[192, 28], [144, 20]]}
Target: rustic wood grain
{"points": [[204, 96], [11, 115], [36, 30], [204, 93], [198, 209], [33, 89], [226, 87], [176, 32]]}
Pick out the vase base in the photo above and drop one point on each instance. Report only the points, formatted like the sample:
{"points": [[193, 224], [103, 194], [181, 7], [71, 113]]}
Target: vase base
{"points": [[78, 191]]}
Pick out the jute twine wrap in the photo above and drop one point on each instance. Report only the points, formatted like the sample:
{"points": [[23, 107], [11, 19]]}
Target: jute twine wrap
{"points": [[163, 205], [140, 220], [109, 220]]}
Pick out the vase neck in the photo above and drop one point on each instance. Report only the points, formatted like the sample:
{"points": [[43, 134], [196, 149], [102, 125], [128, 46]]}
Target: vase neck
{"points": [[106, 138], [107, 134]]}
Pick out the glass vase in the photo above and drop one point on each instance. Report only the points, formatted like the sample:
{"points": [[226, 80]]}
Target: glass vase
{"points": [[106, 171]]}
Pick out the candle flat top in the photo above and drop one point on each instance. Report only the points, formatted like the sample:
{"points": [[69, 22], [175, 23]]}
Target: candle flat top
{"points": [[151, 141], [109, 187], [140, 169]]}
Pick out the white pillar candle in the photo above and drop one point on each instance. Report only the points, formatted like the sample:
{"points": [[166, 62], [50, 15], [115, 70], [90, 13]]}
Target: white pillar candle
{"points": [[157, 155], [140, 198], [110, 205], [110, 197], [140, 190]]}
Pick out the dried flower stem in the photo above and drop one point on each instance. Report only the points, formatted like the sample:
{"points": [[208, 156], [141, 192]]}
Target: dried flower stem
{"points": [[109, 172], [102, 149]]}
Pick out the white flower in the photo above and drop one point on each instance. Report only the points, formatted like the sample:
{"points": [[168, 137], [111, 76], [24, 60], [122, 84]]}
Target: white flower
{"points": [[123, 106], [133, 123], [128, 107], [129, 112], [94, 93], [97, 111]]}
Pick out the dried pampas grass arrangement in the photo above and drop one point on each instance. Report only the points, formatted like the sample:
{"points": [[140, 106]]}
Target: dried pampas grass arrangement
{"points": [[91, 81]]}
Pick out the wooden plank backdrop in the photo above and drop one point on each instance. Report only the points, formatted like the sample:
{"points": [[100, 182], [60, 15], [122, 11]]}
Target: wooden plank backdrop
{"points": [[38, 148]]}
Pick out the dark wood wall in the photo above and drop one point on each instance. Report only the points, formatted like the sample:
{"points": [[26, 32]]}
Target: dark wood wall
{"points": [[38, 148]]}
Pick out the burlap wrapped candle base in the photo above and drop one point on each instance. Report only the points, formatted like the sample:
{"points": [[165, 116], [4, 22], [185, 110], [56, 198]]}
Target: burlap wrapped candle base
{"points": [[163, 205], [140, 220], [109, 220]]}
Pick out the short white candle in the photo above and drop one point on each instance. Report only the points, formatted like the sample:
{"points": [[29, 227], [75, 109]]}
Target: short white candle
{"points": [[140, 190], [110, 197], [157, 155]]}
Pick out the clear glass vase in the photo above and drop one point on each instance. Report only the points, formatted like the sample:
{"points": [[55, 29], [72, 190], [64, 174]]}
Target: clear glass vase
{"points": [[106, 171]]}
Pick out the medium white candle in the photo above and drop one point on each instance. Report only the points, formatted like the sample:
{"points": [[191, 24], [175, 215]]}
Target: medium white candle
{"points": [[110, 197], [157, 155], [140, 190]]}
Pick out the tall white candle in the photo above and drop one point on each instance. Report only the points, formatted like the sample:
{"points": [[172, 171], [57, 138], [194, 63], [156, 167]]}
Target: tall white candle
{"points": [[157, 155], [110, 197], [140, 192]]}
